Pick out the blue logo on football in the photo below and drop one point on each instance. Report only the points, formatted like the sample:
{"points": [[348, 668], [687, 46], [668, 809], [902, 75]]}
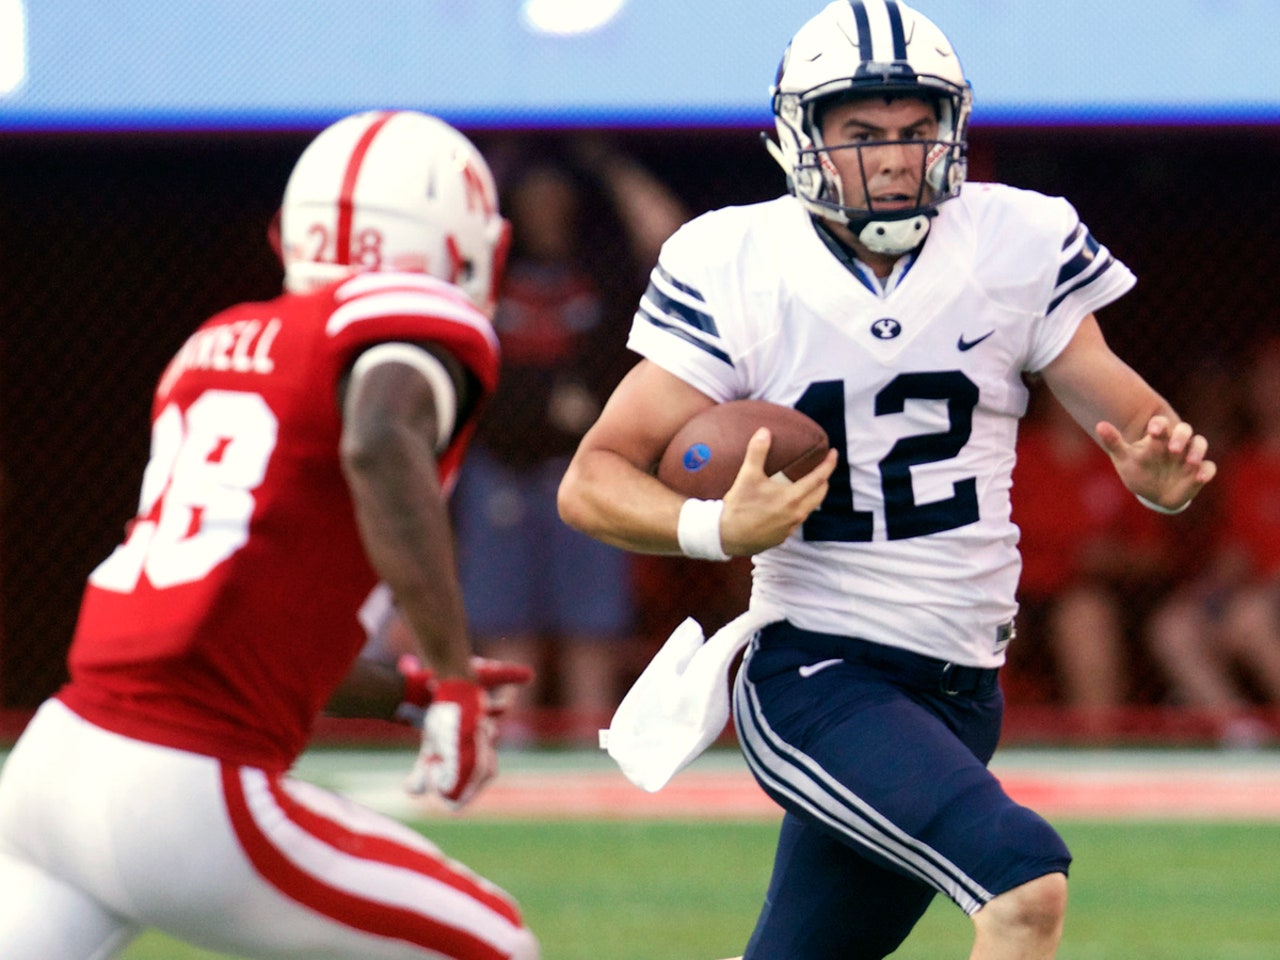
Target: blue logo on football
{"points": [[696, 457]]}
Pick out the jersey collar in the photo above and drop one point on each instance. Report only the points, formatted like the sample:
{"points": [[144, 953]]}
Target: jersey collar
{"points": [[866, 276]]}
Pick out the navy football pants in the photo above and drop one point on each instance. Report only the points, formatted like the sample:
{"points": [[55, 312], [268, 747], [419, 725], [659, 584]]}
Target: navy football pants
{"points": [[879, 758]]}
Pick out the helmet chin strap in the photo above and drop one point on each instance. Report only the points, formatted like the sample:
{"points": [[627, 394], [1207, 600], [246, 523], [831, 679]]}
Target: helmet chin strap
{"points": [[894, 236]]}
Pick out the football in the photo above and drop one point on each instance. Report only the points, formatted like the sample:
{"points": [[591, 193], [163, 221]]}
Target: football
{"points": [[704, 456]]}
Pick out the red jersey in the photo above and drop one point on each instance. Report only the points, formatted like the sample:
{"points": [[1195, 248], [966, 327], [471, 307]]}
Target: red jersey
{"points": [[1062, 504], [227, 617], [544, 314], [1251, 505]]}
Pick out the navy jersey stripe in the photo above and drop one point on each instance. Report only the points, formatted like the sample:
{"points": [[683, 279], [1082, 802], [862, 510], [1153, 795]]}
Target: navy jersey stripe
{"points": [[1080, 262], [671, 328], [1073, 236], [1082, 282], [661, 271], [672, 308]]}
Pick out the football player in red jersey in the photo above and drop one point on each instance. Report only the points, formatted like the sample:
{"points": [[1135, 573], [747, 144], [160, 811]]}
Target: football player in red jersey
{"points": [[302, 450]]}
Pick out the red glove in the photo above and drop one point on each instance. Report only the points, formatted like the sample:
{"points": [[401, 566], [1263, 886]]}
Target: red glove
{"points": [[459, 727], [457, 757], [420, 681]]}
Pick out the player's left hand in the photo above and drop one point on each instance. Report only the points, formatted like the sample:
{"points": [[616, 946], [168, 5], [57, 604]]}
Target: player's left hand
{"points": [[1167, 465]]}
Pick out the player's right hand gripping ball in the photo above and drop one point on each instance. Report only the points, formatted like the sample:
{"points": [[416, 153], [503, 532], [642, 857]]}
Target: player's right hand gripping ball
{"points": [[704, 456]]}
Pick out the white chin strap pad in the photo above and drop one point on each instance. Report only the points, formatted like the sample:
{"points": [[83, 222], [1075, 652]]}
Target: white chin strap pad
{"points": [[894, 236]]}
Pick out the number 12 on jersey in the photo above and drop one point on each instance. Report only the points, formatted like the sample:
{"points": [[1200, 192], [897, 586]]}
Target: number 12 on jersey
{"points": [[837, 519]]}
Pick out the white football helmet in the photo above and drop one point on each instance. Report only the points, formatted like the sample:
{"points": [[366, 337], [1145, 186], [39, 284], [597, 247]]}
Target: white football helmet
{"points": [[393, 190], [875, 47]]}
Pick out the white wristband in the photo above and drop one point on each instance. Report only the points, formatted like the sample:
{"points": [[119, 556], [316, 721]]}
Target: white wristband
{"points": [[1152, 505], [699, 529]]}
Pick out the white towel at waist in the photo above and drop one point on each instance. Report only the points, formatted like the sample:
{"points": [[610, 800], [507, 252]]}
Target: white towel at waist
{"points": [[680, 703]]}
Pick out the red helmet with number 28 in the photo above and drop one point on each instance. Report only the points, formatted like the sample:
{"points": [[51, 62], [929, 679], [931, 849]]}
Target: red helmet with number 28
{"points": [[393, 190]]}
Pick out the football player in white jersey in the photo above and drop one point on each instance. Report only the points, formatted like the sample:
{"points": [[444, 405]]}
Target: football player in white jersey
{"points": [[900, 307]]}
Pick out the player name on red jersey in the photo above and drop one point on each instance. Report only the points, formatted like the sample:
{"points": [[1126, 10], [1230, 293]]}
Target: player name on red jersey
{"points": [[242, 346]]}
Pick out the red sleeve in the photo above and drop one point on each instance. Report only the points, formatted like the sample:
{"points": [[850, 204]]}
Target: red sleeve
{"points": [[380, 307]]}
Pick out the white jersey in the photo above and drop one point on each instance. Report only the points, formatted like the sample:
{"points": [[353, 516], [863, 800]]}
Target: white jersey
{"points": [[920, 390]]}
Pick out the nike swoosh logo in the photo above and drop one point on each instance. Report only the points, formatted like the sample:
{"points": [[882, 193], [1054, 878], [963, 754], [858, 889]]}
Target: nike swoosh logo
{"points": [[962, 344], [809, 669]]}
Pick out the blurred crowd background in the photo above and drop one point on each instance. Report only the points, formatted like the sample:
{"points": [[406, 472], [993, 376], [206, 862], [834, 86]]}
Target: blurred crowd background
{"points": [[1135, 628]]}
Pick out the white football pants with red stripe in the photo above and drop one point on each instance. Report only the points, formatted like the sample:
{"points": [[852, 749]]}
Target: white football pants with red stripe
{"points": [[102, 837]]}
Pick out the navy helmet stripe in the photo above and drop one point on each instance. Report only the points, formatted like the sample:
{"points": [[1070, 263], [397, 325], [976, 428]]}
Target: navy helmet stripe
{"points": [[898, 34], [895, 25], [661, 324], [864, 29]]}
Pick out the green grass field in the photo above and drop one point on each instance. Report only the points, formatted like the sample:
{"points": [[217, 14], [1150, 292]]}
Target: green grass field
{"points": [[672, 890]]}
